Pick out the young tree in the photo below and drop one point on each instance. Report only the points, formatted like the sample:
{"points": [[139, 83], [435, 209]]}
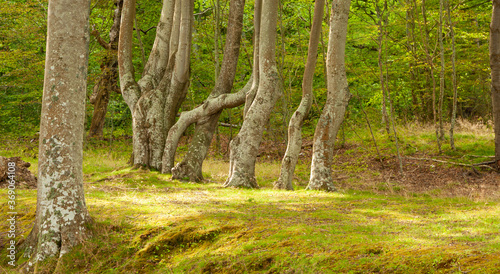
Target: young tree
{"points": [[336, 103], [245, 146], [155, 99], [61, 215], [107, 81], [295, 126], [495, 72]]}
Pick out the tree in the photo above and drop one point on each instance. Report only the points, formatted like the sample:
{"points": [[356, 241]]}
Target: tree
{"points": [[336, 103], [295, 126], [245, 146], [107, 81], [62, 218], [495, 72], [154, 100], [191, 165]]}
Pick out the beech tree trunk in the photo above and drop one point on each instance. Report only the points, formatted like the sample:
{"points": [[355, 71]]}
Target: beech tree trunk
{"points": [[154, 100], [336, 103], [245, 146], [297, 120], [495, 72], [61, 215], [191, 166]]}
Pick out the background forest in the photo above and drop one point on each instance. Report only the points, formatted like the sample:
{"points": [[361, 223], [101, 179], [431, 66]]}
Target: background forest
{"points": [[416, 191], [392, 38]]}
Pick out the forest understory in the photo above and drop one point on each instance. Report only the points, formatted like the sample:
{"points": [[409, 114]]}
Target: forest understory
{"points": [[436, 217]]}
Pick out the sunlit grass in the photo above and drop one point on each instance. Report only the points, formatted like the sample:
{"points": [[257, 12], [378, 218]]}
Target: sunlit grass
{"points": [[146, 222]]}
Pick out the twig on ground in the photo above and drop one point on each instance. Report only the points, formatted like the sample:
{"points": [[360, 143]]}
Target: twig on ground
{"points": [[454, 163]]}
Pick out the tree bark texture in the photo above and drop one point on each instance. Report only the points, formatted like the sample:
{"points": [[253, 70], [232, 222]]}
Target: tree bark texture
{"points": [[61, 215], [245, 147], [107, 81], [154, 100], [297, 120], [191, 165], [495, 72], [336, 103]]}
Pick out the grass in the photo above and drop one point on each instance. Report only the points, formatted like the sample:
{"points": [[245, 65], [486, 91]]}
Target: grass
{"points": [[144, 222]]}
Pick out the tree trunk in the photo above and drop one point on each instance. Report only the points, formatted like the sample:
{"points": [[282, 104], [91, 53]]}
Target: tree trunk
{"points": [[495, 72], [431, 68], [107, 81], [295, 125], [454, 77], [440, 126], [336, 103], [62, 218], [383, 85], [245, 147], [191, 165], [155, 99]]}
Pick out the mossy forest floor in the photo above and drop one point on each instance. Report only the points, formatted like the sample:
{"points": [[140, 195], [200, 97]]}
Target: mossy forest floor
{"points": [[434, 218]]}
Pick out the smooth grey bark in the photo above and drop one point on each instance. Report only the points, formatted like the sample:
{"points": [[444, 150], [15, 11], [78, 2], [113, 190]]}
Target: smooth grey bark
{"points": [[245, 146], [297, 120], [62, 218], [495, 72], [154, 100], [191, 166], [336, 103]]}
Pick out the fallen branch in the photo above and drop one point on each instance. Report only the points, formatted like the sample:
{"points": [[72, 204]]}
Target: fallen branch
{"points": [[454, 163]]}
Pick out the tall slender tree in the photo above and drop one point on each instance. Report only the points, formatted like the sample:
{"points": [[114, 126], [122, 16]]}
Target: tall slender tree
{"points": [[495, 73], [295, 126], [336, 103], [62, 218]]}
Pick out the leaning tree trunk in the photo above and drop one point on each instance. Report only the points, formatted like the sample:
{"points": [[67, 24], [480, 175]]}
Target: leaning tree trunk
{"points": [[107, 81], [495, 73], [62, 218], [210, 107], [336, 103], [295, 126], [191, 165], [155, 99], [245, 147]]}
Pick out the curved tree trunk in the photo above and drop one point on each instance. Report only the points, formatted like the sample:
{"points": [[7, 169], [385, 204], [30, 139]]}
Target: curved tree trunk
{"points": [[155, 99], [297, 120], [107, 81], [245, 147], [495, 72], [191, 165], [336, 103], [62, 218]]}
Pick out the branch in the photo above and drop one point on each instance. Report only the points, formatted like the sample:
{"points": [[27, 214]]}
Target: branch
{"points": [[454, 163], [209, 107], [99, 39], [146, 31]]}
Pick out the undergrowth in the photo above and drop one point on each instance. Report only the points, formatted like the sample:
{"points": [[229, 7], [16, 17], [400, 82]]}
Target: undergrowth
{"points": [[145, 222]]}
